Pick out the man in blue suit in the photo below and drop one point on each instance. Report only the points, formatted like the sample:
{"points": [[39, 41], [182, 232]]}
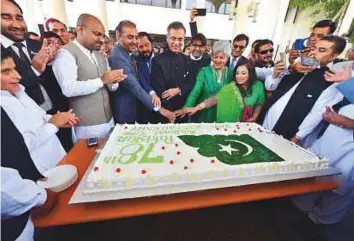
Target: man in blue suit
{"points": [[143, 60], [125, 99]]}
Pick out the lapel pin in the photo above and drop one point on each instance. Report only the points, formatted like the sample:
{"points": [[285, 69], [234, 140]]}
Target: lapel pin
{"points": [[309, 96]]}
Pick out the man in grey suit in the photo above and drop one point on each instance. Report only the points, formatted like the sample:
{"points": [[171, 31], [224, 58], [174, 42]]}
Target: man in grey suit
{"points": [[124, 100]]}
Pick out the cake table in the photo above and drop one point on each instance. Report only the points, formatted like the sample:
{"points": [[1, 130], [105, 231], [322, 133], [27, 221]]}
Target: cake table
{"points": [[64, 213]]}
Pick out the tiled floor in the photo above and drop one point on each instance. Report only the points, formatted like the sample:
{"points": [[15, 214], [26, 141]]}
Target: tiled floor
{"points": [[273, 220]]}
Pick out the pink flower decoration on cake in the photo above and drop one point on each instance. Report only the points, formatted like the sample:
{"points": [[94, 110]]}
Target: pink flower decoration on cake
{"points": [[185, 168], [95, 169], [217, 128], [178, 153], [163, 148], [212, 161], [143, 171], [176, 145], [118, 170], [191, 160], [172, 162]]}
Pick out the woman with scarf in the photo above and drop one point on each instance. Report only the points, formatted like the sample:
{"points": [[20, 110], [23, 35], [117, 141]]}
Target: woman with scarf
{"points": [[209, 81], [241, 100]]}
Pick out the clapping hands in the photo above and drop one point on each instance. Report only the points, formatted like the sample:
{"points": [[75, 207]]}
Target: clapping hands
{"points": [[65, 119]]}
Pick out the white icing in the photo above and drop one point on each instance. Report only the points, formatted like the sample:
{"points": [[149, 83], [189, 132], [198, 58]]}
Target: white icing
{"points": [[133, 174]]}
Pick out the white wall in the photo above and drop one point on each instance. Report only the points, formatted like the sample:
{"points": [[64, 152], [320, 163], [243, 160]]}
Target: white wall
{"points": [[156, 19]]}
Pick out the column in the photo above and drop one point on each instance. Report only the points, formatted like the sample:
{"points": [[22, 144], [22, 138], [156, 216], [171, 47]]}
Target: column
{"points": [[279, 26], [347, 20], [55, 9], [241, 19], [200, 19], [96, 8], [30, 13]]}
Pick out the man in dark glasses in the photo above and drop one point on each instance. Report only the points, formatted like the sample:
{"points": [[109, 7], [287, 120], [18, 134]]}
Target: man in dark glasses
{"points": [[239, 45], [264, 52]]}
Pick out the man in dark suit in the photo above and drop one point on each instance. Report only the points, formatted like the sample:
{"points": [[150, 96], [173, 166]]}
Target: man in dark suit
{"points": [[124, 100], [239, 44], [143, 61], [31, 59], [198, 60], [170, 74]]}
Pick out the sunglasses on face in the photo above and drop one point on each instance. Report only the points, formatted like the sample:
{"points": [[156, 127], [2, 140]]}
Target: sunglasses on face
{"points": [[266, 51], [240, 47]]}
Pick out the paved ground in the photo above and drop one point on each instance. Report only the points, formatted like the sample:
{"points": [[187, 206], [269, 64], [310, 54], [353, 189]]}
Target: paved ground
{"points": [[273, 220]]}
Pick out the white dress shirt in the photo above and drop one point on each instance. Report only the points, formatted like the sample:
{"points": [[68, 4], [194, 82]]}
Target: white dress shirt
{"points": [[6, 42], [19, 195], [65, 70], [263, 73], [33, 123], [337, 145], [329, 97]]}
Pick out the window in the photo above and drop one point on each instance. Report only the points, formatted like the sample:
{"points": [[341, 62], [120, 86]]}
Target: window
{"points": [[211, 5], [157, 3]]}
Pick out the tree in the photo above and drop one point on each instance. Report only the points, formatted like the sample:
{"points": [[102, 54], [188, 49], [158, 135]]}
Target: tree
{"points": [[329, 7]]}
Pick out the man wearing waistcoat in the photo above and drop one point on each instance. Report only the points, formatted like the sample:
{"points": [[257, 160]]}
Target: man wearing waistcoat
{"points": [[297, 103], [85, 78]]}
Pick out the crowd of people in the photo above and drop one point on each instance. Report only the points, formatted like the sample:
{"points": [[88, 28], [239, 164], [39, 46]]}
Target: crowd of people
{"points": [[63, 86]]}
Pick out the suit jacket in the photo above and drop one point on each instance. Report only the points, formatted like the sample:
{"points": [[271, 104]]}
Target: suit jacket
{"points": [[170, 70], [242, 58], [124, 100], [31, 81], [29, 78], [144, 75]]}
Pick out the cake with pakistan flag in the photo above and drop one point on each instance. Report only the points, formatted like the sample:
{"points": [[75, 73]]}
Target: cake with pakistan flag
{"points": [[141, 156]]}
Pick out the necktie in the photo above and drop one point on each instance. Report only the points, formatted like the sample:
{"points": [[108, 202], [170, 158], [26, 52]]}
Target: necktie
{"points": [[324, 124], [22, 54], [233, 63], [134, 65]]}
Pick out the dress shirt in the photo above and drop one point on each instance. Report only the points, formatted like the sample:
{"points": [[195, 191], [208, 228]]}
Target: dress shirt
{"points": [[194, 58], [337, 145], [19, 195], [33, 123], [328, 97], [263, 73], [148, 63], [65, 70], [6, 42]]}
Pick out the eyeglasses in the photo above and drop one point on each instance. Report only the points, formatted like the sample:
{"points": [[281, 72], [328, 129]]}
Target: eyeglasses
{"points": [[266, 51], [240, 47]]}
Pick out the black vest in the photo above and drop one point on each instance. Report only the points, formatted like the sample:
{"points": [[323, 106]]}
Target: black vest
{"points": [[15, 154], [300, 103]]}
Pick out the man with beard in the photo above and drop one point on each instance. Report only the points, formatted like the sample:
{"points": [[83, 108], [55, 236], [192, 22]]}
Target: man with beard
{"points": [[130, 91], [84, 76], [143, 60], [264, 54], [170, 74]]}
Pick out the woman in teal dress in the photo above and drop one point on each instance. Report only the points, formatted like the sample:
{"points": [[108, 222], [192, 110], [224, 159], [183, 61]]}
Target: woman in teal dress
{"points": [[241, 100], [209, 81]]}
